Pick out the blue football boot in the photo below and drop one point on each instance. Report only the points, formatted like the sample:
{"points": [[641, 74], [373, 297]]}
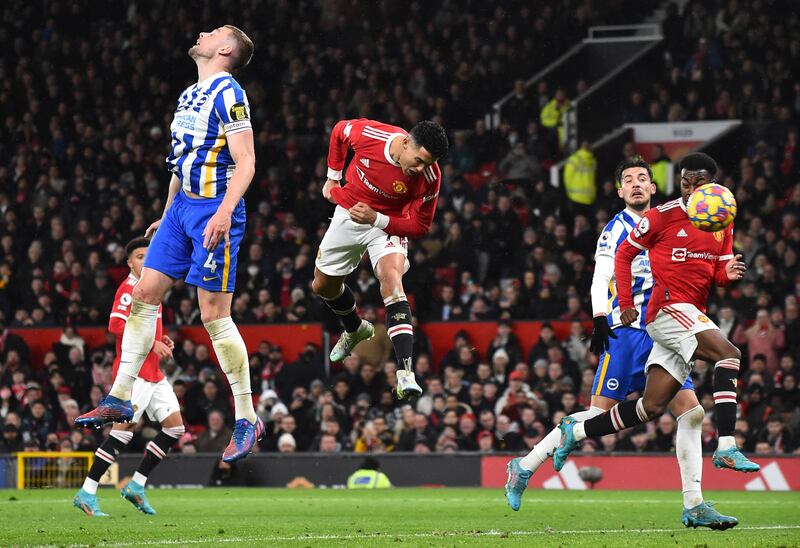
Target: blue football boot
{"points": [[245, 436], [135, 493], [516, 484], [88, 504], [111, 409], [705, 515], [567, 445], [734, 459]]}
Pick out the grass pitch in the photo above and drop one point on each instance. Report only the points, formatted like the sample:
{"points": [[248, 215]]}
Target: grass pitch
{"points": [[409, 517]]}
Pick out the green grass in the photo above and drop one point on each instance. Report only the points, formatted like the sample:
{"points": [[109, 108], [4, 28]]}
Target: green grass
{"points": [[408, 517]]}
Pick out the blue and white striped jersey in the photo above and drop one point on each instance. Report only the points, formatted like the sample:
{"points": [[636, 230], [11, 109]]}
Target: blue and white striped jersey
{"points": [[207, 112], [604, 293]]}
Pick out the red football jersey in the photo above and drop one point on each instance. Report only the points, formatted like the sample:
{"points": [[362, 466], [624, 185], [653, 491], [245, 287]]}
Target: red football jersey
{"points": [[684, 260], [150, 370], [375, 179]]}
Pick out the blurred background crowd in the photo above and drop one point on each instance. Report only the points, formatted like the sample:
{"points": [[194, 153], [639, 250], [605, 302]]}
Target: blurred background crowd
{"points": [[83, 117]]}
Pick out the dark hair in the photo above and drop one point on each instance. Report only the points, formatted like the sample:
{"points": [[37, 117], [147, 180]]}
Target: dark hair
{"points": [[243, 52], [697, 161], [634, 161], [432, 136], [135, 244]]}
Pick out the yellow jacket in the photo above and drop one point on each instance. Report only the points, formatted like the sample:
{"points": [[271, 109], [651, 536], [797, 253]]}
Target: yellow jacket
{"points": [[551, 113], [368, 479], [579, 177]]}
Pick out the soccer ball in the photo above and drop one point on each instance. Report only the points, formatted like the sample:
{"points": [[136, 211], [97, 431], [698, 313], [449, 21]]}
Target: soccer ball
{"points": [[711, 208]]}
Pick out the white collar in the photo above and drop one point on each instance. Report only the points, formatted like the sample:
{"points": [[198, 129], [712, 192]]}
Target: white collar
{"points": [[391, 138], [212, 78]]}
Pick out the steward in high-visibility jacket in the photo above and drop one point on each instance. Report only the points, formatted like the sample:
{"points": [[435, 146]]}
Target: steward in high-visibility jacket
{"points": [[553, 113], [368, 476], [579, 176]]}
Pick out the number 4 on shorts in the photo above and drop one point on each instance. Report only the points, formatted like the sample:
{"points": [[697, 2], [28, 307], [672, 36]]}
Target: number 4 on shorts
{"points": [[210, 263]]}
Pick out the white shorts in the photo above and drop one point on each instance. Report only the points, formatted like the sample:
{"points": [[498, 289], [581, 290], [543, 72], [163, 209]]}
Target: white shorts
{"points": [[674, 342], [345, 242], [157, 398]]}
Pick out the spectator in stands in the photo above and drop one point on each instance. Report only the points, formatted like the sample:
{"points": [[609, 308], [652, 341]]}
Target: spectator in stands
{"points": [[216, 437]]}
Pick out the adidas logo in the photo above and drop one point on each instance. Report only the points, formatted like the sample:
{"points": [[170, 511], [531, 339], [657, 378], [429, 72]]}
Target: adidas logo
{"points": [[770, 478], [682, 233], [365, 161]]}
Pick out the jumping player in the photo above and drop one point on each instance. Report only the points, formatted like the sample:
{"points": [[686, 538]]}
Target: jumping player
{"points": [[685, 261], [151, 393], [212, 162], [392, 186], [623, 357]]}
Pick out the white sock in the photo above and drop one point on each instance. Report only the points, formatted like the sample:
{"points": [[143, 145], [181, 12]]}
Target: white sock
{"points": [[137, 341], [544, 449], [139, 478], [232, 355], [90, 486], [726, 442], [689, 450]]}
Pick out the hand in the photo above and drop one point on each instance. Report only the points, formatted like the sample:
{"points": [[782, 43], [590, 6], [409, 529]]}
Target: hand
{"points": [[217, 229], [326, 189], [162, 350], [600, 334], [151, 230], [362, 214], [628, 316], [735, 268], [169, 342]]}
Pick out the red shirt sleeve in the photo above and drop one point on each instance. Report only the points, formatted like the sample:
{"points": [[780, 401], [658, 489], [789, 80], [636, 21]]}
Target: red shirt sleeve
{"points": [[121, 309], [720, 276], [641, 238], [417, 222], [346, 134]]}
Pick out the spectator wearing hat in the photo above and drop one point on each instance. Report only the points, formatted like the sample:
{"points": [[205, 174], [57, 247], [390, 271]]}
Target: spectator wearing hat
{"points": [[286, 443], [485, 442], [506, 339]]}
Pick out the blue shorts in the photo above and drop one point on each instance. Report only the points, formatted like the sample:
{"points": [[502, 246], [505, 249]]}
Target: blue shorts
{"points": [[621, 369], [177, 248]]}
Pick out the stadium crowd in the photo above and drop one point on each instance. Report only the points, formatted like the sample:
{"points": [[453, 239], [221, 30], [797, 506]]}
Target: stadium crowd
{"points": [[81, 173]]}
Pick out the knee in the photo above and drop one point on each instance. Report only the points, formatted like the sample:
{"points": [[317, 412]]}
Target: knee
{"points": [[693, 417], [654, 409], [209, 314], [323, 287], [146, 294], [391, 281]]}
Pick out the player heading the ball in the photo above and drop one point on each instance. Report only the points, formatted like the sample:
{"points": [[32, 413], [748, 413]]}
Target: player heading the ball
{"points": [[392, 185]]}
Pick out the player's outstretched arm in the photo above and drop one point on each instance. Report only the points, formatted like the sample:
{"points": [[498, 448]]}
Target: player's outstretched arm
{"points": [[243, 153]]}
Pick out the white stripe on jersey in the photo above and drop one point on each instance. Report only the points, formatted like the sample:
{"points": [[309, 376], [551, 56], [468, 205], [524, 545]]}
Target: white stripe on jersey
{"points": [[615, 232], [379, 137], [429, 174], [376, 131], [207, 113]]}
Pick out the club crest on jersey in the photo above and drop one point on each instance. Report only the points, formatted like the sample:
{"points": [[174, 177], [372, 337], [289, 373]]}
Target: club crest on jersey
{"points": [[702, 318], [718, 236], [239, 112], [400, 187]]}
